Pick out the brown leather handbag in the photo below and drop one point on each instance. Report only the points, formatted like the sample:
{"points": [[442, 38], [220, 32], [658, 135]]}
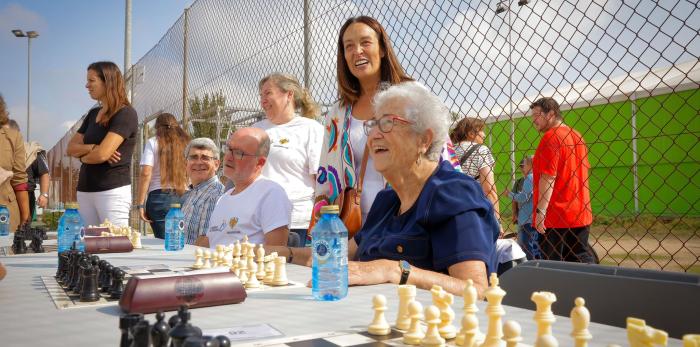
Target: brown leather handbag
{"points": [[349, 201]]}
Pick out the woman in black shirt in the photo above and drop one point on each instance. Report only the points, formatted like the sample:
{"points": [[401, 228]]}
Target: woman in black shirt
{"points": [[104, 143]]}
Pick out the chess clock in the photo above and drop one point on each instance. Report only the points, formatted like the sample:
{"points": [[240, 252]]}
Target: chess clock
{"points": [[405, 268]]}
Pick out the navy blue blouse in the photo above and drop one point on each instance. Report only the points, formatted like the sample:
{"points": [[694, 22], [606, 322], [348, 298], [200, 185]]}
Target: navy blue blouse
{"points": [[450, 222]]}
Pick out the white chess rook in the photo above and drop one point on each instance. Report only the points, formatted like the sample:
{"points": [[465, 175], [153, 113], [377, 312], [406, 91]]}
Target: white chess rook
{"points": [[407, 294], [280, 278]]}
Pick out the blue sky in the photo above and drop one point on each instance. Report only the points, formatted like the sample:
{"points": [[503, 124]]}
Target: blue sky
{"points": [[72, 34]]}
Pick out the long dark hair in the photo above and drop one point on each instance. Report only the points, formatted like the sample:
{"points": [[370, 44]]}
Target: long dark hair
{"points": [[391, 70], [172, 141], [464, 127], [115, 91]]}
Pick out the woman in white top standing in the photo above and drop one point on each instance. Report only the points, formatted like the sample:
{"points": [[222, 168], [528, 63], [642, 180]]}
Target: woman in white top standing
{"points": [[295, 138], [163, 173], [476, 159]]}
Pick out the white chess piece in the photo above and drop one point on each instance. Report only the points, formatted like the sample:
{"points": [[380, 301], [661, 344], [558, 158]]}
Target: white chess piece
{"points": [[207, 260], [379, 325], [237, 251], [280, 277], [432, 335], [469, 335], [494, 310], [639, 334], [407, 293], [580, 319], [512, 334], [228, 255], [544, 318], [270, 268], [136, 239], [198, 255], [415, 332], [260, 255], [250, 257], [252, 278], [691, 340], [444, 300]]}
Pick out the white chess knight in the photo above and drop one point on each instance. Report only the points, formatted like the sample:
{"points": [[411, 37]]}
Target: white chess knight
{"points": [[639, 334], [379, 325], [444, 300]]}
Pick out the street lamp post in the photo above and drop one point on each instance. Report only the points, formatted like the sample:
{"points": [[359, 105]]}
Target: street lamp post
{"points": [[29, 35]]}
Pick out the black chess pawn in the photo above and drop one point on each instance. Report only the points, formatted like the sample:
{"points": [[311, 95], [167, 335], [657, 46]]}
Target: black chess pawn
{"points": [[38, 237], [184, 329], [83, 264], [126, 323], [141, 334], [159, 331], [223, 341], [106, 283], [90, 291], [174, 320], [117, 283], [18, 245]]}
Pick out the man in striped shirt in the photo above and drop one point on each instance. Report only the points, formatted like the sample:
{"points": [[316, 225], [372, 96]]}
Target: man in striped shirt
{"points": [[205, 189]]}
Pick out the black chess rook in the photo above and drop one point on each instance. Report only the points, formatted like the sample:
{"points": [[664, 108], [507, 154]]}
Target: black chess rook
{"points": [[89, 291]]}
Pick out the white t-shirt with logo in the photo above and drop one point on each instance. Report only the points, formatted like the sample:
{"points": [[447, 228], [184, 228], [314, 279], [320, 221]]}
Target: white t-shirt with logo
{"points": [[150, 158], [295, 152], [260, 208]]}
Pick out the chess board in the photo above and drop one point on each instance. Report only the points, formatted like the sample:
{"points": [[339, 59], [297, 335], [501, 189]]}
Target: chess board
{"points": [[63, 299], [346, 338]]}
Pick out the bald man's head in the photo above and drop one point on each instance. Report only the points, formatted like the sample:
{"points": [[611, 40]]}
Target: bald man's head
{"points": [[246, 155]]}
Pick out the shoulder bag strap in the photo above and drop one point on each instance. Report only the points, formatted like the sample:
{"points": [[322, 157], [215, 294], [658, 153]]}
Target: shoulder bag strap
{"points": [[360, 179], [468, 153]]}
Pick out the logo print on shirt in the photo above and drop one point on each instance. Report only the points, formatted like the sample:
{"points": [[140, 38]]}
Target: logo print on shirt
{"points": [[284, 141], [232, 222]]}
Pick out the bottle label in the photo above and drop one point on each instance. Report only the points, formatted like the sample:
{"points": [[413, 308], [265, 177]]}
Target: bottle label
{"points": [[322, 250], [82, 233], [3, 219], [181, 225]]}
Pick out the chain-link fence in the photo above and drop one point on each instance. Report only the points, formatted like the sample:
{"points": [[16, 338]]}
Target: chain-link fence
{"points": [[625, 73]]}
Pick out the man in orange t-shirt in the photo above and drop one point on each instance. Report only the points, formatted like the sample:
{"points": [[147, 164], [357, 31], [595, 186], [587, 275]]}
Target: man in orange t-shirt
{"points": [[561, 197]]}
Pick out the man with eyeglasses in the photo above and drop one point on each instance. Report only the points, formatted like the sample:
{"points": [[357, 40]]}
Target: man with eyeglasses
{"points": [[256, 207], [205, 188], [561, 197]]}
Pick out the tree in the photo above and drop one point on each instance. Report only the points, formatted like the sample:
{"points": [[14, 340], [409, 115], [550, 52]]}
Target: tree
{"points": [[204, 115]]}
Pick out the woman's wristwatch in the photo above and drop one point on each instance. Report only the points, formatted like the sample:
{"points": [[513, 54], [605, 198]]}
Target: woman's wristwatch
{"points": [[139, 206], [405, 268], [46, 195]]}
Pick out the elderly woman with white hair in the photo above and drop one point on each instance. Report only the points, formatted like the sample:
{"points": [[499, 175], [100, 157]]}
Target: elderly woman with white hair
{"points": [[433, 225]]}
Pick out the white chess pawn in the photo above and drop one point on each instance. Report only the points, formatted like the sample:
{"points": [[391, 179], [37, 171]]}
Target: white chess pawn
{"points": [[252, 278], [243, 275], [512, 333], [280, 277], [432, 336], [136, 239], [207, 260], [415, 332], [379, 325], [198, 263], [407, 293], [237, 251], [250, 257], [228, 256], [269, 268], [580, 320]]}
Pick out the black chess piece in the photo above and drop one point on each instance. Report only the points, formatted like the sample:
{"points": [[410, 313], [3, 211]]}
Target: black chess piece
{"points": [[117, 283], [223, 341], [65, 280], [59, 268], [204, 341], [159, 331], [126, 323], [174, 320], [106, 284], [74, 273], [141, 334], [83, 263], [38, 235], [18, 245], [90, 291], [184, 329]]}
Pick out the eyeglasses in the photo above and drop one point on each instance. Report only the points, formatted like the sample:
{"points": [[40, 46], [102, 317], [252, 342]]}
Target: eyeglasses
{"points": [[203, 157], [385, 123], [237, 153]]}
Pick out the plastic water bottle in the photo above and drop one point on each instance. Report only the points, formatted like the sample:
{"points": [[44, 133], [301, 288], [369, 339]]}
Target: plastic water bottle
{"points": [[71, 229], [329, 246], [4, 221], [174, 228]]}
